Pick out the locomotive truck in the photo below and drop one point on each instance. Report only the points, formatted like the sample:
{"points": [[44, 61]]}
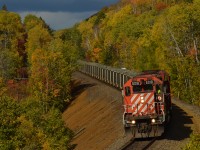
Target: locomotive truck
{"points": [[147, 103]]}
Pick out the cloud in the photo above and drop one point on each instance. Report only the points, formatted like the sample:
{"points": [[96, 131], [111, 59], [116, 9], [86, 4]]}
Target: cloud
{"points": [[60, 20], [58, 14], [56, 5]]}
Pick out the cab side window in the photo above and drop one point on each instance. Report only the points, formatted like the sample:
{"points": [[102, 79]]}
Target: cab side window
{"points": [[127, 91]]}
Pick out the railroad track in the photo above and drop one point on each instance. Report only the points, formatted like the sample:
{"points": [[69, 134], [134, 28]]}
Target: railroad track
{"points": [[115, 78], [139, 144], [172, 139]]}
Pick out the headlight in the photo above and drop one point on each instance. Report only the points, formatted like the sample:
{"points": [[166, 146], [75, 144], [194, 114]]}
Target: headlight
{"points": [[142, 99], [133, 121], [159, 98], [153, 120]]}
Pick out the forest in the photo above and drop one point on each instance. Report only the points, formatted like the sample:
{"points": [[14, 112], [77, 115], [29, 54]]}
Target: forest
{"points": [[149, 34], [146, 35], [36, 66], [37, 63]]}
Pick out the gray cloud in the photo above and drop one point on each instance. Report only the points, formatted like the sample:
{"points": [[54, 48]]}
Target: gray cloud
{"points": [[60, 20], [58, 14], [56, 5]]}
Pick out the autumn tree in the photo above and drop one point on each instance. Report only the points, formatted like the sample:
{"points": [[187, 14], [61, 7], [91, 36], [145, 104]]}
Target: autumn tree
{"points": [[42, 130], [10, 32], [193, 143], [178, 33], [26, 126], [38, 38], [72, 36], [4, 8], [30, 21], [149, 34], [35, 122], [9, 113]]}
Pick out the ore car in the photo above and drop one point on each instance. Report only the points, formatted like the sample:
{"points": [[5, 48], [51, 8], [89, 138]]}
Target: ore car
{"points": [[147, 103]]}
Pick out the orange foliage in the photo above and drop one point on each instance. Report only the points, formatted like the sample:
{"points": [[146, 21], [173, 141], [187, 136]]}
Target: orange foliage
{"points": [[10, 82], [160, 6], [17, 88], [140, 2], [56, 92], [192, 52], [96, 52]]}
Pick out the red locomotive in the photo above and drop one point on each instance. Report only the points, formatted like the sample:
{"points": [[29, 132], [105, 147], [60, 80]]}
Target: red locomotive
{"points": [[147, 103]]}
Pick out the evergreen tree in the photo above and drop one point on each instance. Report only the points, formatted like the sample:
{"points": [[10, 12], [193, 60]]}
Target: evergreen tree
{"points": [[4, 7]]}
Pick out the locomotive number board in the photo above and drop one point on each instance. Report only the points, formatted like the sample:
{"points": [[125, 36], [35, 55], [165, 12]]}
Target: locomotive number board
{"points": [[146, 82]]}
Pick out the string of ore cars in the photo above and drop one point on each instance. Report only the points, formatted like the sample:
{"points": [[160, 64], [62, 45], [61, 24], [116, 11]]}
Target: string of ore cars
{"points": [[146, 97]]}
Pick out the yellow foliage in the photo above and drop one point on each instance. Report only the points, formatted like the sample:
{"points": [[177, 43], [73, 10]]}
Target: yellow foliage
{"points": [[40, 134], [95, 54], [38, 38], [1, 81], [141, 2], [24, 122], [120, 15], [3, 90], [56, 92], [46, 146]]}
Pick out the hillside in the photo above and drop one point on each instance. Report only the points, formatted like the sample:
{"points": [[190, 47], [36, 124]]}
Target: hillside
{"points": [[96, 117], [37, 65], [145, 35]]}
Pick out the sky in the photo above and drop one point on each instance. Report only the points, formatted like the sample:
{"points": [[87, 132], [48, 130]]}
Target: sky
{"points": [[58, 14]]}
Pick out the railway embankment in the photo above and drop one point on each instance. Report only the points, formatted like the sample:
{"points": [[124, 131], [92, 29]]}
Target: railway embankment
{"points": [[95, 115]]}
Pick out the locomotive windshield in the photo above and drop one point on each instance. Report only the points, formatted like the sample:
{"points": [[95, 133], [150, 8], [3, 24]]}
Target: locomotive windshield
{"points": [[142, 88], [137, 88], [148, 87]]}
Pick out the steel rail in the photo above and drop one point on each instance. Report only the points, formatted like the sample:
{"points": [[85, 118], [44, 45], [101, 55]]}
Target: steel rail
{"points": [[139, 144]]}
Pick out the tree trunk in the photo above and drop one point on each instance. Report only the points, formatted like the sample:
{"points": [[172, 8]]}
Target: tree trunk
{"points": [[196, 51]]}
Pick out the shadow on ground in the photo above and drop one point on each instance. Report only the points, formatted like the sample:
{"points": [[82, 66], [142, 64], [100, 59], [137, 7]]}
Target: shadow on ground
{"points": [[180, 125], [77, 87]]}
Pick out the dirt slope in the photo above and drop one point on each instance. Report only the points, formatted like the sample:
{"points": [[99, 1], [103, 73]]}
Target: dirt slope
{"points": [[95, 115]]}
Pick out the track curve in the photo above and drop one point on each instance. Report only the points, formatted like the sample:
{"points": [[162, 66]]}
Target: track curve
{"points": [[94, 97]]}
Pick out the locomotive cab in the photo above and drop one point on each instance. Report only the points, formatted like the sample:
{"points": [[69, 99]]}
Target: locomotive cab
{"points": [[147, 103]]}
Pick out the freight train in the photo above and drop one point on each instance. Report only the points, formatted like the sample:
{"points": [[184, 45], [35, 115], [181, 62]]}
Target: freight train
{"points": [[113, 76], [146, 97]]}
